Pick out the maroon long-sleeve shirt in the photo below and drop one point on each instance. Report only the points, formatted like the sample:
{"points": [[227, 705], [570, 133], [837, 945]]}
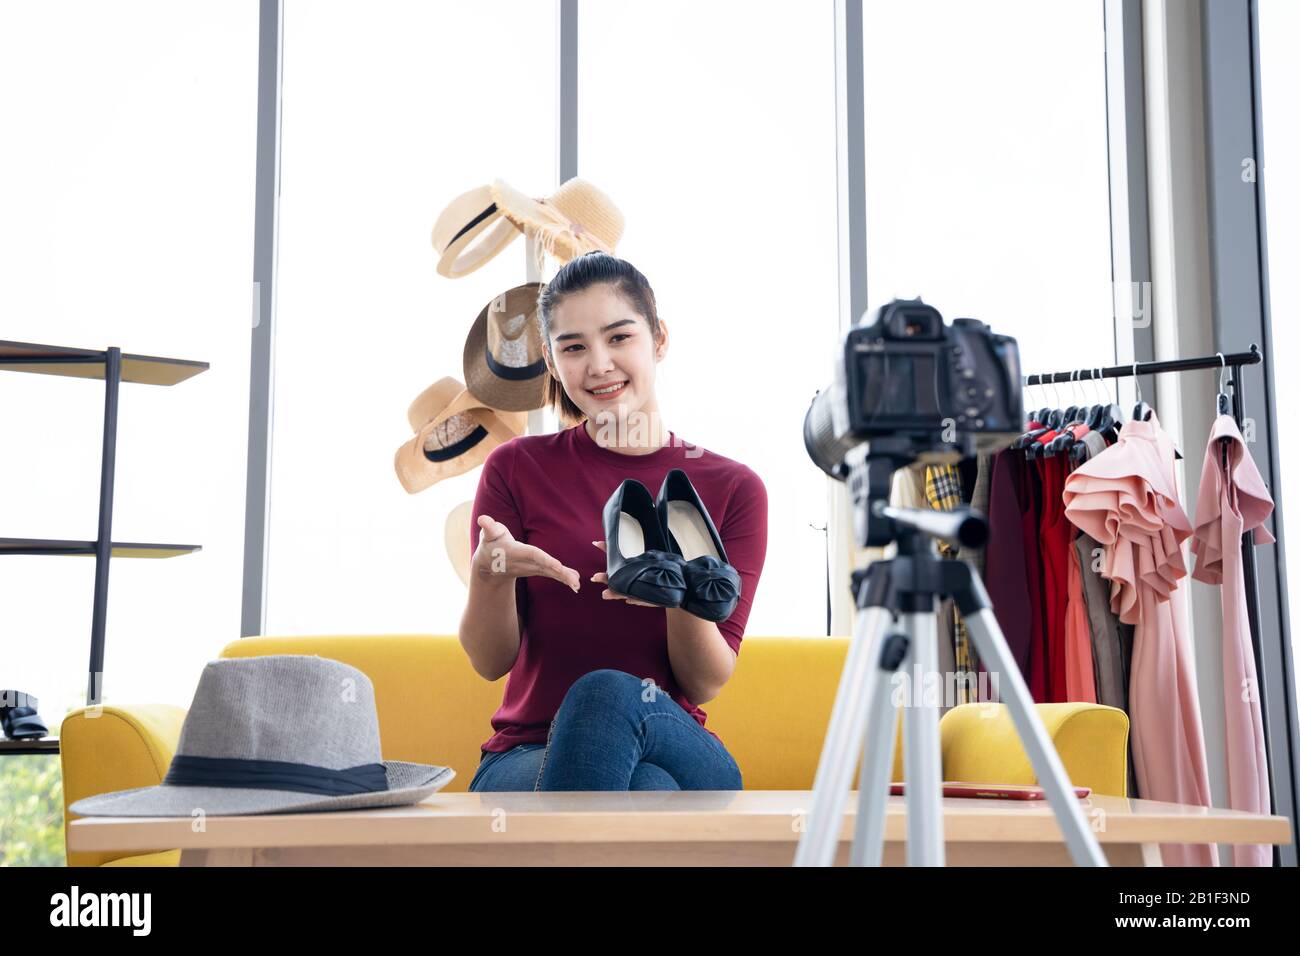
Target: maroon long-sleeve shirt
{"points": [[550, 491]]}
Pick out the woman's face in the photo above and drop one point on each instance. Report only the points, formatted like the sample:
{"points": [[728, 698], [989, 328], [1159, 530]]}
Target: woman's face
{"points": [[597, 340]]}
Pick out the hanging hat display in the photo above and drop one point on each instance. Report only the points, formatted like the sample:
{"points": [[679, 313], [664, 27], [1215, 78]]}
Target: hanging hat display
{"points": [[454, 433], [476, 225], [577, 218], [503, 362], [470, 232]]}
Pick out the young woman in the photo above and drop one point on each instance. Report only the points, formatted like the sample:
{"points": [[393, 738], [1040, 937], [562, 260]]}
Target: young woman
{"points": [[603, 690]]}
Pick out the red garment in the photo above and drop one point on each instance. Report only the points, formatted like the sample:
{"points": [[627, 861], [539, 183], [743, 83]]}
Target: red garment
{"points": [[1056, 534], [550, 491]]}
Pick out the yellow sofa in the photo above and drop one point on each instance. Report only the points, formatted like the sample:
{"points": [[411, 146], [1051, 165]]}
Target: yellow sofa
{"points": [[433, 708]]}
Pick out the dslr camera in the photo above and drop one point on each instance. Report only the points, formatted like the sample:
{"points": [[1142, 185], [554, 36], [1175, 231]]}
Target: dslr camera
{"points": [[917, 389]]}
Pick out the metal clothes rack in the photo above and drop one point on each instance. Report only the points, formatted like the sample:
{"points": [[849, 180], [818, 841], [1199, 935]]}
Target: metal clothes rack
{"points": [[1233, 361]]}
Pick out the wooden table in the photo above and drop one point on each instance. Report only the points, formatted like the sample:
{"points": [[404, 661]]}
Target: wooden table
{"points": [[707, 828]]}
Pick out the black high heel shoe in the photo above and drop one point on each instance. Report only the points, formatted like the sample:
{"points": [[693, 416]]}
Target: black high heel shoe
{"points": [[638, 562], [18, 717], [712, 584]]}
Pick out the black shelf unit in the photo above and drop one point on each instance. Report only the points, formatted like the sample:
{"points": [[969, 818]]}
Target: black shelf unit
{"points": [[113, 367]]}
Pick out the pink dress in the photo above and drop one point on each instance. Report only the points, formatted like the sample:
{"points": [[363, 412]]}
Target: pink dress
{"points": [[1232, 501], [1127, 498]]}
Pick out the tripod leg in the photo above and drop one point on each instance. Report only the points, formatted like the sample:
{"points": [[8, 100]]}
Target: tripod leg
{"points": [[993, 651], [922, 766], [878, 756], [843, 744]]}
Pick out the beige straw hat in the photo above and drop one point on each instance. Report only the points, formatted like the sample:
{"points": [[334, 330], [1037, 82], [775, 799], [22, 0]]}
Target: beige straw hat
{"points": [[456, 533], [503, 362], [470, 232], [454, 433], [577, 218]]}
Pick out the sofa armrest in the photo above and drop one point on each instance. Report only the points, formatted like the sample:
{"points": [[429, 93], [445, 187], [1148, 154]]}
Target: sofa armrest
{"points": [[980, 744], [105, 749]]}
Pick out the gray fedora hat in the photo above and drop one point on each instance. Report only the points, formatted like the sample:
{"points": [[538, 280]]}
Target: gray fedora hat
{"points": [[282, 733]]}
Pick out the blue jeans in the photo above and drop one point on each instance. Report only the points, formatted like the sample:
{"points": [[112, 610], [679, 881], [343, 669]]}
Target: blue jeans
{"points": [[614, 733]]}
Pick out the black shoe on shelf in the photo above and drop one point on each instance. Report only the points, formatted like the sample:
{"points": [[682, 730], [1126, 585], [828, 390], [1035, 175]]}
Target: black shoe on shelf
{"points": [[638, 562], [18, 716], [712, 584]]}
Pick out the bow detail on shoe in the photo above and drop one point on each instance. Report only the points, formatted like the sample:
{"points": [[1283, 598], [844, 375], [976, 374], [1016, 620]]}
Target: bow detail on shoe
{"points": [[653, 576], [660, 569], [713, 588]]}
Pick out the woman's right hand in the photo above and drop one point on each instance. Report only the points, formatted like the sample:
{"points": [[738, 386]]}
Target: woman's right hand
{"points": [[499, 556]]}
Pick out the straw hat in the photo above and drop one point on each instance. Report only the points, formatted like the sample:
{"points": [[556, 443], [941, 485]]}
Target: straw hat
{"points": [[470, 232], [457, 539], [504, 367], [577, 218], [454, 433], [277, 734]]}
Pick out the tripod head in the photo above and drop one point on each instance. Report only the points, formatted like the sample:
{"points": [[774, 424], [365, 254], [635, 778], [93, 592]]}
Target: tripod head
{"points": [[877, 523]]}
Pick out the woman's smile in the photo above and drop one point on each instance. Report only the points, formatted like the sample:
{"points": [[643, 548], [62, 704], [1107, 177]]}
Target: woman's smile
{"points": [[609, 393]]}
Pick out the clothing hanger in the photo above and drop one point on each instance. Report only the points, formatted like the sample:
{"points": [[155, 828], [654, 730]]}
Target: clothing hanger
{"points": [[1070, 412], [1096, 411], [1222, 403], [1054, 415], [1141, 411], [1112, 417], [1098, 417], [1074, 426], [1221, 406], [1045, 412], [1112, 420], [1053, 421], [1031, 434]]}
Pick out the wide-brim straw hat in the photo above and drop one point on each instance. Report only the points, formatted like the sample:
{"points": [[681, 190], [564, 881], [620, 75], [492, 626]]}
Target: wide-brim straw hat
{"points": [[454, 432], [278, 733], [470, 232], [457, 539], [576, 219], [503, 362]]}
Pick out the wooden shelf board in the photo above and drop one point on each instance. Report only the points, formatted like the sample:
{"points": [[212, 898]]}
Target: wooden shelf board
{"points": [[120, 549], [90, 363]]}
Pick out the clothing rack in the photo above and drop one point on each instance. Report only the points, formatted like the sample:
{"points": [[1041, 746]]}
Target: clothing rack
{"points": [[1233, 361]]}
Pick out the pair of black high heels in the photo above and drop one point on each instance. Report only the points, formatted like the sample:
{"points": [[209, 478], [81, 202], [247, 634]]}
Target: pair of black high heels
{"points": [[666, 551]]}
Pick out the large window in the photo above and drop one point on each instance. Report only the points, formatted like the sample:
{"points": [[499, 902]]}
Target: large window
{"points": [[134, 225], [126, 187], [714, 132], [390, 111], [987, 189], [986, 194], [1279, 32]]}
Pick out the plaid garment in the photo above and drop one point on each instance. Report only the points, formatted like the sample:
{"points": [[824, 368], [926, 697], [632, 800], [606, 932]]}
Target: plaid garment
{"points": [[943, 492], [943, 487]]}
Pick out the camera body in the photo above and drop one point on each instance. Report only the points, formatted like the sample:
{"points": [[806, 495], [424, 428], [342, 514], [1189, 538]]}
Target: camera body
{"points": [[924, 389]]}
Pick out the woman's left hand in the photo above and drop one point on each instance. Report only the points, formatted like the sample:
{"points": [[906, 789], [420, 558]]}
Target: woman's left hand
{"points": [[600, 577]]}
